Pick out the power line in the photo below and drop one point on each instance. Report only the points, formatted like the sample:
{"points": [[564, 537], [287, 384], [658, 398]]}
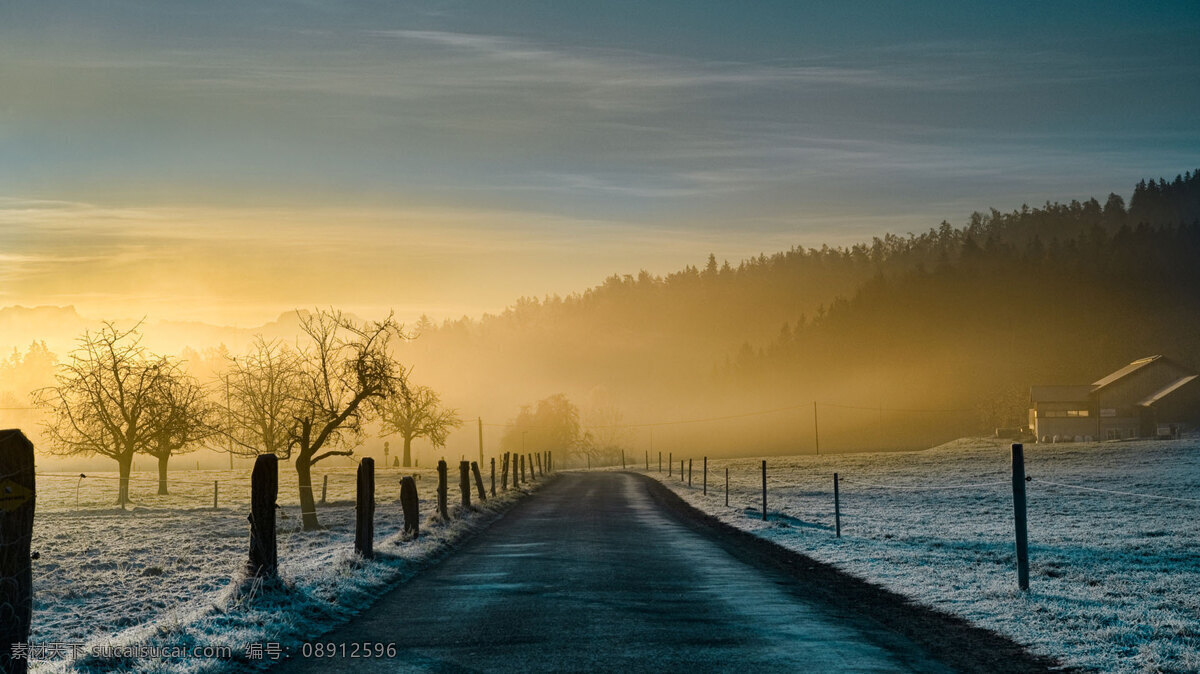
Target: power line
{"points": [[752, 414], [892, 409]]}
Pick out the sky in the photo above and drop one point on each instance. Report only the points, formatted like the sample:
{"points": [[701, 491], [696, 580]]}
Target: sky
{"points": [[226, 161]]}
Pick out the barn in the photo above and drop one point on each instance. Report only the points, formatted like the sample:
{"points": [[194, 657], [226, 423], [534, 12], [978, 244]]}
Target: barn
{"points": [[1148, 398]]}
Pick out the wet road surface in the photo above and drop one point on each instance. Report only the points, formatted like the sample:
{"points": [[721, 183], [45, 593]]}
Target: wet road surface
{"points": [[591, 574]]}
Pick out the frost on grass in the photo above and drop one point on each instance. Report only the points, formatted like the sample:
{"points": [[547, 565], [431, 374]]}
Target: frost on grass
{"points": [[169, 571], [1113, 577]]}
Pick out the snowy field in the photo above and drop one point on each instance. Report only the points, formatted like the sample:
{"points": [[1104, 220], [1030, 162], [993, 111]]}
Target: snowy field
{"points": [[163, 572], [1114, 577]]}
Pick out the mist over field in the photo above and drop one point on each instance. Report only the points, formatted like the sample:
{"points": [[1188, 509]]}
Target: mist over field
{"points": [[554, 335], [901, 342]]}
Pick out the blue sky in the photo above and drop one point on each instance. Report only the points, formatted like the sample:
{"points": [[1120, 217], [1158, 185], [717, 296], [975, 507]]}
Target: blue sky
{"points": [[449, 156]]}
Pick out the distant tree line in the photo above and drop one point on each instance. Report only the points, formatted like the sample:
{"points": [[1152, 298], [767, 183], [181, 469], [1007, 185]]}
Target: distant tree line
{"points": [[1062, 294], [954, 316]]}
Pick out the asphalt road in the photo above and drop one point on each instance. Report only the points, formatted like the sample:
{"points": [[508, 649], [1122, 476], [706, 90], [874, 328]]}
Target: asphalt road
{"points": [[590, 574]]}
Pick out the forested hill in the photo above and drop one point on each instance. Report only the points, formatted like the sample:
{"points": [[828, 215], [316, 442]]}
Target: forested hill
{"points": [[954, 317]]}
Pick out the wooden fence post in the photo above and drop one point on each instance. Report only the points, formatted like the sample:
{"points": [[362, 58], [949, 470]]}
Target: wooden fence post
{"points": [[550, 460], [464, 482], [726, 486], [17, 500], [541, 471], [264, 490], [689, 472], [493, 477], [706, 476], [504, 472], [411, 506], [660, 462], [478, 481], [764, 471], [1018, 485], [215, 494], [364, 509], [442, 489], [837, 508], [647, 461], [681, 470], [622, 458], [522, 468], [670, 463], [324, 487]]}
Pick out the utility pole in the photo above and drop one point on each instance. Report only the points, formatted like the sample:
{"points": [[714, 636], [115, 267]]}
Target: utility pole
{"points": [[480, 440], [228, 420], [816, 433]]}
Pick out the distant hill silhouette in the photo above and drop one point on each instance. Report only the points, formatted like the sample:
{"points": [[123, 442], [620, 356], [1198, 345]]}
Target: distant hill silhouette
{"points": [[961, 318]]}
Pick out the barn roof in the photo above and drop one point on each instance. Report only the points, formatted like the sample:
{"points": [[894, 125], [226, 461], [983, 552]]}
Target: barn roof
{"points": [[1166, 390], [1126, 371]]}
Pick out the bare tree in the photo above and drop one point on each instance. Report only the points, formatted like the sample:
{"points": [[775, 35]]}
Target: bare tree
{"points": [[553, 424], [417, 412], [181, 416], [605, 432], [262, 399], [102, 401], [348, 371]]}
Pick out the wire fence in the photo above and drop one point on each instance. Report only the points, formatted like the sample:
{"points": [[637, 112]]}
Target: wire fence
{"points": [[92, 492], [927, 511], [93, 562]]}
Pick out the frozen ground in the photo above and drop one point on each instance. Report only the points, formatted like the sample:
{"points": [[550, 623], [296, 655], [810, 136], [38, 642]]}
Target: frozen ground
{"points": [[164, 572], [1113, 576]]}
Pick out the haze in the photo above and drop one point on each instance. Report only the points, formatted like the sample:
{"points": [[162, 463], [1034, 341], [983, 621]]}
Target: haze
{"points": [[229, 162]]}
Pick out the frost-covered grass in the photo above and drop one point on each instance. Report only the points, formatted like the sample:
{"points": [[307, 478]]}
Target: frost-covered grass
{"points": [[167, 571], [1114, 578]]}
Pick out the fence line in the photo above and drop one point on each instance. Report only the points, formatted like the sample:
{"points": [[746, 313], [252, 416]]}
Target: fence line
{"points": [[800, 508], [131, 478], [264, 528], [1119, 493], [920, 488]]}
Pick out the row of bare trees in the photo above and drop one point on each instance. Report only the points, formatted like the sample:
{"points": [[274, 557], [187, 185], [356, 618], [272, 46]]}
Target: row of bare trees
{"points": [[115, 399], [303, 403]]}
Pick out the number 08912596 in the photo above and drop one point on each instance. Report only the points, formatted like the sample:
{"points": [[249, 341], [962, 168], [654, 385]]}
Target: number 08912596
{"points": [[354, 649]]}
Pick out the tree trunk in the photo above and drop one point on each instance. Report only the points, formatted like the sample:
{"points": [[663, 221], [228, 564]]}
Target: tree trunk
{"points": [[308, 505], [162, 474], [125, 465], [407, 452]]}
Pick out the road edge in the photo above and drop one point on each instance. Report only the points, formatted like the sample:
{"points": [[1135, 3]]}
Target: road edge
{"points": [[951, 639]]}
